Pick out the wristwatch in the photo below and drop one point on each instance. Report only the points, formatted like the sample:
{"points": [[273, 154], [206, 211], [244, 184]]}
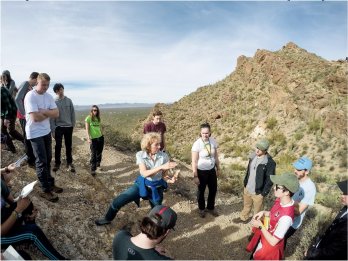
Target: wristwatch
{"points": [[18, 214]]}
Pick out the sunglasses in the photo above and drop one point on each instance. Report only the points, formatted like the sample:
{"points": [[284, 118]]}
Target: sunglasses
{"points": [[279, 187], [94, 110]]}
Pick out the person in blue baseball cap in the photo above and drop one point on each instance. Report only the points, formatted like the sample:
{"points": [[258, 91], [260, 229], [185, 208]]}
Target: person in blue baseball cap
{"points": [[305, 196]]}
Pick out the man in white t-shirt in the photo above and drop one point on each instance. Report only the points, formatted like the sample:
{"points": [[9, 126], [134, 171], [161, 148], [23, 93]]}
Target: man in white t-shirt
{"points": [[39, 108], [305, 196]]}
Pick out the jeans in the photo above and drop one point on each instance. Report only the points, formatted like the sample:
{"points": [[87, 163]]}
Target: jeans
{"points": [[207, 178], [42, 148], [96, 147], [27, 145], [127, 196], [65, 132], [31, 233]]}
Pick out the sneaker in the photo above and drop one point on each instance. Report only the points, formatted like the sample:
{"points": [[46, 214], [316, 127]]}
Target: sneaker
{"points": [[56, 189], [50, 196], [213, 212], [102, 222], [71, 168], [56, 167], [93, 173], [202, 213]]}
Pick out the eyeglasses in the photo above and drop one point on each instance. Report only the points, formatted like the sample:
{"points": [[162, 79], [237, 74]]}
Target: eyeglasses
{"points": [[279, 187]]}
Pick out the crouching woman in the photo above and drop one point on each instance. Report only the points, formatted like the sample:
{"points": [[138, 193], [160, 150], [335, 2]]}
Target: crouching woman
{"points": [[150, 184], [268, 240]]}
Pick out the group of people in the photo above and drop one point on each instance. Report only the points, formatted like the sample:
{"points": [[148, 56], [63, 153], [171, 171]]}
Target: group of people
{"points": [[41, 118]]}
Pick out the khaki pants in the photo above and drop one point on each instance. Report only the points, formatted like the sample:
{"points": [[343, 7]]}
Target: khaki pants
{"points": [[249, 201]]}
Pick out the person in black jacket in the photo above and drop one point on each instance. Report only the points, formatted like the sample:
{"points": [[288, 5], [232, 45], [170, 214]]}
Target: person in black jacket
{"points": [[332, 245], [257, 182]]}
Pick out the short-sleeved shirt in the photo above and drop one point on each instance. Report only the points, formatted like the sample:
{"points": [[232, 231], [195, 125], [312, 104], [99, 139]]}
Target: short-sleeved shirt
{"points": [[206, 153], [33, 102], [124, 249], [94, 127], [159, 127], [160, 159], [305, 195]]}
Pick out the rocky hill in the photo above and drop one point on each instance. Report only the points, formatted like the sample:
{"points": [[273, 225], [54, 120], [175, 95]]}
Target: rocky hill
{"points": [[293, 97]]}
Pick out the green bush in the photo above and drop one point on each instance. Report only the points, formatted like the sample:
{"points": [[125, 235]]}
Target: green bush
{"points": [[231, 180], [271, 123]]}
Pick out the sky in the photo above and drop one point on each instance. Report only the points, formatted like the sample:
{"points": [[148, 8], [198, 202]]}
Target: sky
{"points": [[156, 51]]}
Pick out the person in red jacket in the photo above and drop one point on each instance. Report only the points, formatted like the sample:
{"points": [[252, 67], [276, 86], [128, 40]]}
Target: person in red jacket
{"points": [[268, 242]]}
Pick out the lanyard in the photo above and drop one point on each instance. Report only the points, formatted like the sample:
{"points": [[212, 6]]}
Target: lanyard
{"points": [[208, 148]]}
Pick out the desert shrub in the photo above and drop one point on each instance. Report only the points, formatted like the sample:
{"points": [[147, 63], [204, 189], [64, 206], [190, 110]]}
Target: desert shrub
{"points": [[120, 140], [240, 150], [185, 155], [315, 125], [231, 179], [330, 200], [277, 138], [298, 135], [271, 123]]}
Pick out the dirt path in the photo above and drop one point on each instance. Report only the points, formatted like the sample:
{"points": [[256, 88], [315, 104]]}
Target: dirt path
{"points": [[69, 223]]}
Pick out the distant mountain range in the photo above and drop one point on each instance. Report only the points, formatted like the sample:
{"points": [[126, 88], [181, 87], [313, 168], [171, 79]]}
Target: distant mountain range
{"points": [[115, 106]]}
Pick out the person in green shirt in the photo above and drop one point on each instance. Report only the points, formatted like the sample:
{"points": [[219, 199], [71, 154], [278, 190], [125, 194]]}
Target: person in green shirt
{"points": [[95, 137]]}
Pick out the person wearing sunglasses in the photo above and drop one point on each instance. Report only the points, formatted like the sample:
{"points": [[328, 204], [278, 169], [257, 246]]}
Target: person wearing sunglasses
{"points": [[267, 242], [95, 138]]}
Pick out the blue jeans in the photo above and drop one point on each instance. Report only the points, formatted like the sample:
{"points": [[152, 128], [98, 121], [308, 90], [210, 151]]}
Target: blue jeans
{"points": [[127, 196], [42, 148], [31, 233]]}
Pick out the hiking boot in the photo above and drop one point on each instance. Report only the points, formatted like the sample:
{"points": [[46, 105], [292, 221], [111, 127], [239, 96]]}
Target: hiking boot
{"points": [[213, 212], [102, 222], [93, 173], [239, 220], [71, 168], [56, 167], [202, 213], [56, 189], [50, 196]]}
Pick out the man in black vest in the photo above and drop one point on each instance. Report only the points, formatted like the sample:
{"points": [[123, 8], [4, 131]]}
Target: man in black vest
{"points": [[332, 245]]}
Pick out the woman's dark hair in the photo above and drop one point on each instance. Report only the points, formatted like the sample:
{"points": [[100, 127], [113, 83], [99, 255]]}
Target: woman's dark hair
{"points": [[151, 229], [98, 113], [7, 74], [57, 87], [205, 125]]}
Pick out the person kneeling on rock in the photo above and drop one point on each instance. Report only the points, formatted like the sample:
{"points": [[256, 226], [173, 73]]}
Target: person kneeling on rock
{"points": [[152, 181]]}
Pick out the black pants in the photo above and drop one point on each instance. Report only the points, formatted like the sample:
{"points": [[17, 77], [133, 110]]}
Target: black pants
{"points": [[42, 148], [27, 144], [11, 133], [207, 178], [65, 132], [97, 147]]}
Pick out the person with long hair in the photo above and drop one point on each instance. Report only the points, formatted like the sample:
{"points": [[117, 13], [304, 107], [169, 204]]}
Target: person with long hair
{"points": [[205, 167], [95, 137], [267, 242], [152, 180]]}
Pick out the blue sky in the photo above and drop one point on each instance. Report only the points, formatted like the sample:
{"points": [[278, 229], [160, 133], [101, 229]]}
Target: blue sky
{"points": [[109, 52]]}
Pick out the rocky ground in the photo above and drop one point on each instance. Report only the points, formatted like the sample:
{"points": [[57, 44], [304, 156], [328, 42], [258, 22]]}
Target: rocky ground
{"points": [[69, 223]]}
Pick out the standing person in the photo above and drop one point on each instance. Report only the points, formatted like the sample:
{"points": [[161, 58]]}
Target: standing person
{"points": [[9, 83], [205, 167], [23, 89], [268, 242], [8, 119], [257, 182], [144, 246], [39, 108], [332, 245], [63, 126], [305, 196], [152, 181], [95, 137], [156, 125]]}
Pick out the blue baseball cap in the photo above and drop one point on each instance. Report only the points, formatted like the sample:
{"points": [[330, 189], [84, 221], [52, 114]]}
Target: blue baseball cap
{"points": [[303, 163]]}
